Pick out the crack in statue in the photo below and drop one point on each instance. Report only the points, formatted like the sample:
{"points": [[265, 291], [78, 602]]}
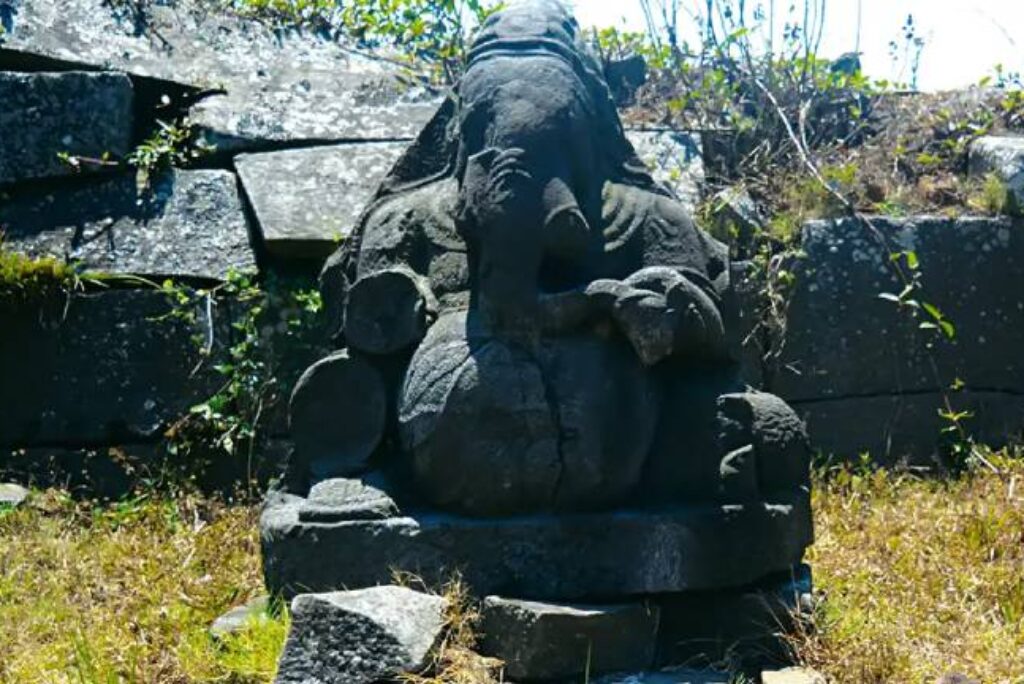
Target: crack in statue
{"points": [[570, 328]]}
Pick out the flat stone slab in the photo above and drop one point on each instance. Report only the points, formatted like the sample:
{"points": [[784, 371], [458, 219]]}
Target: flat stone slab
{"points": [[278, 86], [106, 368], [550, 641], [360, 637], [1004, 157], [12, 495], [44, 114], [190, 224], [543, 557], [307, 200], [844, 341], [674, 159]]}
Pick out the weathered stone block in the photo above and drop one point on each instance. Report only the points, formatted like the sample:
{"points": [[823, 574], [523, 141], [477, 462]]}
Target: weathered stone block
{"points": [[747, 625], [278, 86], [549, 641], [907, 429], [1003, 156], [44, 114], [540, 557], [360, 637], [307, 200], [190, 224], [843, 341], [673, 158], [103, 368]]}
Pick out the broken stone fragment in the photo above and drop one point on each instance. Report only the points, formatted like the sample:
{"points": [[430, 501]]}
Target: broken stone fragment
{"points": [[549, 640], [237, 619], [12, 495], [46, 115], [1004, 157], [359, 637], [308, 200]]}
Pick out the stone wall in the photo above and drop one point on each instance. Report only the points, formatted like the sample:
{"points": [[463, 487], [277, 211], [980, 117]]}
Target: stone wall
{"points": [[300, 131]]}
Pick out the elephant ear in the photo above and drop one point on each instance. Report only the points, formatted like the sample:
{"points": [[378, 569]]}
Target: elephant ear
{"points": [[430, 157]]}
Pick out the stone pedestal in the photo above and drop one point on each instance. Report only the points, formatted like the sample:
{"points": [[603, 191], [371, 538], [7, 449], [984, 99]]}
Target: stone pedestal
{"points": [[323, 545]]}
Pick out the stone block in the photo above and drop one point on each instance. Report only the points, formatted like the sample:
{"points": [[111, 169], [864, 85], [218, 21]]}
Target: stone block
{"points": [[360, 637], [674, 159], [45, 114], [1004, 157], [105, 368], [907, 429], [844, 341], [540, 557], [307, 200], [548, 641], [274, 86], [745, 625], [190, 224]]}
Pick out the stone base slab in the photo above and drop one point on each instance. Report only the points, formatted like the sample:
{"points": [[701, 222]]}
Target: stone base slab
{"points": [[592, 557]]}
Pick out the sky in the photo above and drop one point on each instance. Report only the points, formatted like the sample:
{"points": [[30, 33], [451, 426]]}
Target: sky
{"points": [[963, 39]]}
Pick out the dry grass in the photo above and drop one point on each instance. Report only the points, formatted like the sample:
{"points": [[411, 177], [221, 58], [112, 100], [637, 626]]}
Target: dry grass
{"points": [[922, 577]]}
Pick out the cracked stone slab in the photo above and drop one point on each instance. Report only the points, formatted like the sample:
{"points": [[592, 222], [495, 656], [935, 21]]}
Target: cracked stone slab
{"points": [[843, 340], [44, 114], [550, 640], [307, 200], [674, 159], [189, 224], [276, 86], [360, 637]]}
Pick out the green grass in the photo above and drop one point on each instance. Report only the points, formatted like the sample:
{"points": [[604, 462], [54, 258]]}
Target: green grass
{"points": [[125, 592], [919, 577]]}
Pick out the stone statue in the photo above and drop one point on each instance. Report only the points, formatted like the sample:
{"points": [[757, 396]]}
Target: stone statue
{"points": [[537, 379], [569, 322]]}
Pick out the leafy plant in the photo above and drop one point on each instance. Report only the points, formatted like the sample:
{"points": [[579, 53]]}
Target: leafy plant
{"points": [[229, 421]]}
